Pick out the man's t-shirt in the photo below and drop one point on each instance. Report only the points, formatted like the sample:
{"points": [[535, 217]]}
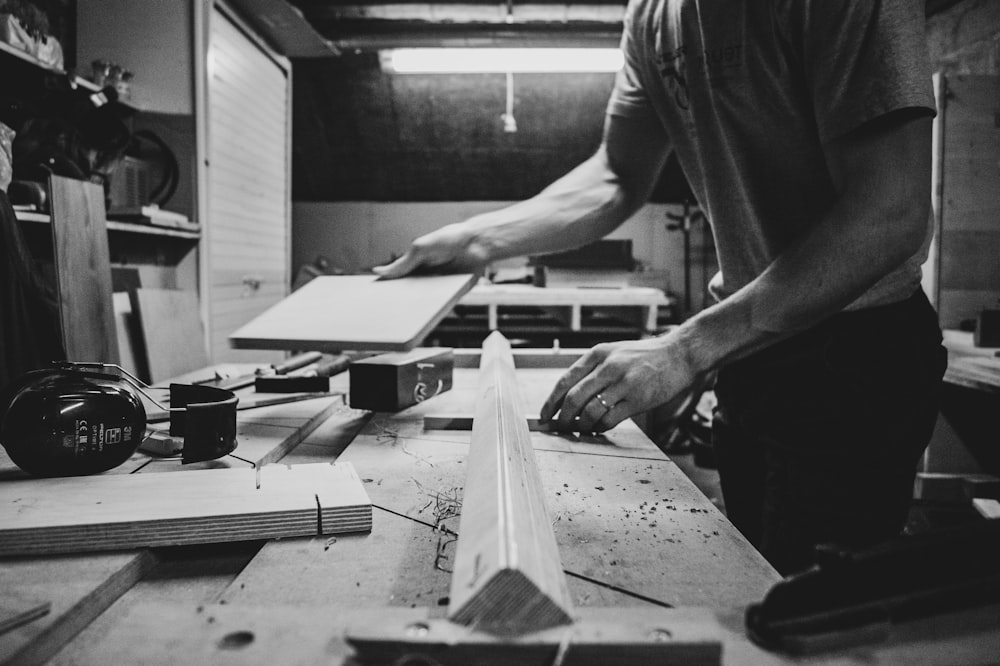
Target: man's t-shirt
{"points": [[750, 90]]}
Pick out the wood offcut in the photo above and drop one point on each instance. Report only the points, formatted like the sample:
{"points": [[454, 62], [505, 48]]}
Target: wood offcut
{"points": [[122, 511]]}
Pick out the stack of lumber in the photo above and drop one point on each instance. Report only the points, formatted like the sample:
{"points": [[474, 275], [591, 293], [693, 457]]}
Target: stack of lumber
{"points": [[122, 511]]}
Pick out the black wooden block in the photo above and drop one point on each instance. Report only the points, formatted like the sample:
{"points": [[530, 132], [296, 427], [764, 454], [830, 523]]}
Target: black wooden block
{"points": [[395, 381], [987, 329]]}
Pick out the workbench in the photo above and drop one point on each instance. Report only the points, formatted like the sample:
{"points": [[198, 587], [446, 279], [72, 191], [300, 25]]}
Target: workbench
{"points": [[633, 532]]}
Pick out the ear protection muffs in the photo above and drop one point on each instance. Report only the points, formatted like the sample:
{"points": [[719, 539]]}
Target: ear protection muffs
{"points": [[76, 419]]}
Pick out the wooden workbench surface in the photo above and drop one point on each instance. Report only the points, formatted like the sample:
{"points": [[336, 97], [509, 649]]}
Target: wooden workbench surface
{"points": [[633, 533]]}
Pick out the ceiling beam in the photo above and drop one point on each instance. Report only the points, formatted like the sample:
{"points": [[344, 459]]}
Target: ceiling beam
{"points": [[498, 12], [369, 36]]}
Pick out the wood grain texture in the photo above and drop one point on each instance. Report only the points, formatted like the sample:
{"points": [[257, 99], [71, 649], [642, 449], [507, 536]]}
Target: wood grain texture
{"points": [[78, 589], [119, 511], [598, 637], [83, 270], [508, 577], [342, 312], [172, 331]]}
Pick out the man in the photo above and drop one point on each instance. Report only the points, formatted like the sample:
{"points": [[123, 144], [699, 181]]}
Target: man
{"points": [[804, 129]]}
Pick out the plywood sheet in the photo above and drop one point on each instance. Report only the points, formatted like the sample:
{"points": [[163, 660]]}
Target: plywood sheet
{"points": [[83, 268], [338, 312], [172, 331], [114, 512]]}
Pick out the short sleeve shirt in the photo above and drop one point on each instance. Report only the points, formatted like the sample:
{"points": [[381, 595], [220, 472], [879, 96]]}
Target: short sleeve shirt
{"points": [[750, 90]]}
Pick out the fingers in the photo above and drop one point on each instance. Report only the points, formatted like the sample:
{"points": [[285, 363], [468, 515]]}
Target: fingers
{"points": [[400, 267], [573, 376], [602, 412], [611, 417]]}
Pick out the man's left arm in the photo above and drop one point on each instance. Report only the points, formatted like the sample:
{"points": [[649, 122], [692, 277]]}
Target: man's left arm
{"points": [[881, 172]]}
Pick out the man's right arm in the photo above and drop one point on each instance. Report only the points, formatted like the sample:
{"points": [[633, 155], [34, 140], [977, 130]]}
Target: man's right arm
{"points": [[583, 206]]}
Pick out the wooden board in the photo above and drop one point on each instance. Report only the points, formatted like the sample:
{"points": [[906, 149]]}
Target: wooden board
{"points": [[83, 270], [114, 512], [172, 331], [347, 312], [508, 577], [77, 589]]}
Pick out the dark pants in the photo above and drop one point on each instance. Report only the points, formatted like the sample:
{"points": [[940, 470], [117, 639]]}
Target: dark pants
{"points": [[818, 438]]}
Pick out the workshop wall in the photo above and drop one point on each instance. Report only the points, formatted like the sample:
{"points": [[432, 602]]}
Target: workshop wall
{"points": [[964, 45], [361, 134], [965, 38]]}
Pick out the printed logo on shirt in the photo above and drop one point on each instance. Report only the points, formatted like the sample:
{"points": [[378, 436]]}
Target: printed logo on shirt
{"points": [[671, 66], [678, 68]]}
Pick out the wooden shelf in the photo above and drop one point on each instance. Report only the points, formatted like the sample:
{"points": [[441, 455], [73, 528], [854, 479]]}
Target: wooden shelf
{"points": [[125, 227], [133, 228]]}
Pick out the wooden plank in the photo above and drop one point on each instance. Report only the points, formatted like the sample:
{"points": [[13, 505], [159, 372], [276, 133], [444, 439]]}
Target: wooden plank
{"points": [[508, 577], [334, 313], [187, 576], [172, 331], [78, 589], [83, 270], [602, 636], [171, 632], [115, 512]]}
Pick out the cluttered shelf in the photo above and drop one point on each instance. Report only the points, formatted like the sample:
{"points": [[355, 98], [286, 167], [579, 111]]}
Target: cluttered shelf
{"points": [[9, 53]]}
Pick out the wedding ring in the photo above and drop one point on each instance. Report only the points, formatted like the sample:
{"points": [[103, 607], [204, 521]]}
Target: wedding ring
{"points": [[600, 399]]}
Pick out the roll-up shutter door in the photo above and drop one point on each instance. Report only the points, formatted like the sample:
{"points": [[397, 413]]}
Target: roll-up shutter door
{"points": [[247, 230]]}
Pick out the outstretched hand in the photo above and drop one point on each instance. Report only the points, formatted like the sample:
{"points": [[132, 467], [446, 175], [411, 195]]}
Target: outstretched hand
{"points": [[450, 249], [615, 380]]}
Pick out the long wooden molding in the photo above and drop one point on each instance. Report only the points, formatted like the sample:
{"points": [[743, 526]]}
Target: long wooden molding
{"points": [[508, 578]]}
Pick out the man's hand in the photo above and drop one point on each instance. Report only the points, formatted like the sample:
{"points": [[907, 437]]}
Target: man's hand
{"points": [[452, 248], [615, 380]]}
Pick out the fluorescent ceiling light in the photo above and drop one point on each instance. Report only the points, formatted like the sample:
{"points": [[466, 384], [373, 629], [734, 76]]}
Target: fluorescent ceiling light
{"points": [[501, 60]]}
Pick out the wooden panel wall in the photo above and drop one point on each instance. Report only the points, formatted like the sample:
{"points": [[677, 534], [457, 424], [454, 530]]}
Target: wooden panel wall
{"points": [[80, 243], [969, 206]]}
